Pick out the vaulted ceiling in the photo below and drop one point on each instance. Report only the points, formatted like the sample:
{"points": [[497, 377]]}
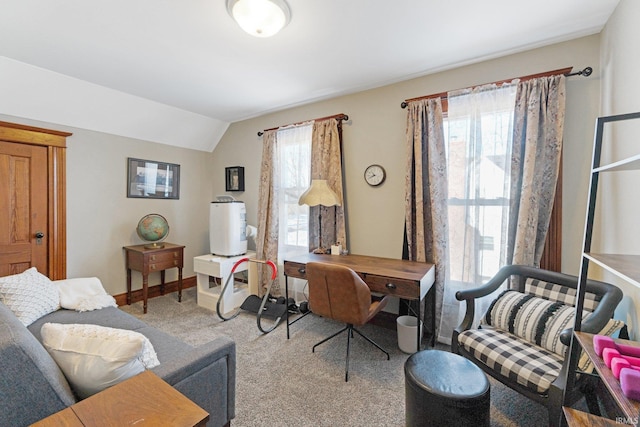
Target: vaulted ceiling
{"points": [[131, 66]]}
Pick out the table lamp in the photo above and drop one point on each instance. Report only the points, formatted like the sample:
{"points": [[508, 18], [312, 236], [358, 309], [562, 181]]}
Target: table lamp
{"points": [[319, 194]]}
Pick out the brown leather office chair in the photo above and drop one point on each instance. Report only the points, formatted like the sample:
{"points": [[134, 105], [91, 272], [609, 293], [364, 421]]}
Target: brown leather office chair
{"points": [[338, 293]]}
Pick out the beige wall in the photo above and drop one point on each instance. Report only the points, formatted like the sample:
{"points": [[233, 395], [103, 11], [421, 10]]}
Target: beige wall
{"points": [[618, 227], [375, 134], [101, 219]]}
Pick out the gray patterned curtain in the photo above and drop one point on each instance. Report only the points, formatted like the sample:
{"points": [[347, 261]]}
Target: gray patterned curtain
{"points": [[326, 163], [267, 238], [426, 191], [535, 162], [536, 153]]}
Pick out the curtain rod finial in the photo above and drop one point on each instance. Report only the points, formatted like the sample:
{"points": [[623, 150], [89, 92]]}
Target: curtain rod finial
{"points": [[403, 104], [586, 72]]}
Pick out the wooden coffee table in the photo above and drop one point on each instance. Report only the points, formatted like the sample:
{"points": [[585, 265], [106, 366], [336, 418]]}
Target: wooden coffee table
{"points": [[143, 400]]}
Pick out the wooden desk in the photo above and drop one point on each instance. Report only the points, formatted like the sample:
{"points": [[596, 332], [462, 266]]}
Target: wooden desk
{"points": [[404, 279], [147, 261], [143, 400]]}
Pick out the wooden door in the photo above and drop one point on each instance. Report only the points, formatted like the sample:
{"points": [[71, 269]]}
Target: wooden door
{"points": [[23, 208], [32, 200]]}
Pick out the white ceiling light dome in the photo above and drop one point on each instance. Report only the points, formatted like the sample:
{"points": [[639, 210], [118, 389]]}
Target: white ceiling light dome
{"points": [[260, 18]]}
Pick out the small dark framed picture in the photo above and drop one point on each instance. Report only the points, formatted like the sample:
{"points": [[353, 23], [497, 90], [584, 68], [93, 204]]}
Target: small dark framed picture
{"points": [[149, 179], [234, 178]]}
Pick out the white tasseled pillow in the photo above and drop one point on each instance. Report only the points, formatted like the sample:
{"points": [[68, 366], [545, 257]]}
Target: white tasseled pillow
{"points": [[96, 357]]}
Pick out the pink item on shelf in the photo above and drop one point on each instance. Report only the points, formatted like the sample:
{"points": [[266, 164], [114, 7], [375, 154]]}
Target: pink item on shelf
{"points": [[630, 383], [600, 342], [609, 353], [619, 363]]}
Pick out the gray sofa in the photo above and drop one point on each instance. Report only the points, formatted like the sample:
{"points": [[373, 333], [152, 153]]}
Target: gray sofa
{"points": [[32, 386]]}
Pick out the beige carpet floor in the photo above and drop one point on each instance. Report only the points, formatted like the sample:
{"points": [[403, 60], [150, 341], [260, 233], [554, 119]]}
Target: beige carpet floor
{"points": [[281, 382]]}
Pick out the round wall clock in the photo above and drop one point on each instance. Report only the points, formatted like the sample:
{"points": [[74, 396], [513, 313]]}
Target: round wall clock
{"points": [[374, 175]]}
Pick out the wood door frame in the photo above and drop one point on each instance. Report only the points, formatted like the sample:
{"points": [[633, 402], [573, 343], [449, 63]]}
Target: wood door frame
{"points": [[56, 143]]}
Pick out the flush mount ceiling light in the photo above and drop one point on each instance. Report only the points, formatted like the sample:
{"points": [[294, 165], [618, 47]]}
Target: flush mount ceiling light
{"points": [[260, 18]]}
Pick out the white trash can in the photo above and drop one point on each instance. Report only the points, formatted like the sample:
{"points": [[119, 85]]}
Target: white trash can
{"points": [[408, 333]]}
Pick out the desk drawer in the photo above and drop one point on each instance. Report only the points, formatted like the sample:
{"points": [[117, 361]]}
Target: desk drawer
{"points": [[294, 269], [392, 286]]}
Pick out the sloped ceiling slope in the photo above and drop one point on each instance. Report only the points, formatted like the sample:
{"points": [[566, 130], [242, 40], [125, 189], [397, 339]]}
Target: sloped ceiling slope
{"points": [[179, 72]]}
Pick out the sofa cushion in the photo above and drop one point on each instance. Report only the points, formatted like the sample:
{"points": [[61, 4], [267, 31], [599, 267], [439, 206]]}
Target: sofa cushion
{"points": [[517, 359], [512, 357], [29, 295], [96, 357], [166, 346]]}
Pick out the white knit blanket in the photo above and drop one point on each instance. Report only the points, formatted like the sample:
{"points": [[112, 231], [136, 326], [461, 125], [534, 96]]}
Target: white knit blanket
{"points": [[83, 294]]}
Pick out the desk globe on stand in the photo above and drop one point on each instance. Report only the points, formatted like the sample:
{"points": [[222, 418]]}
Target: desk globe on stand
{"points": [[153, 228]]}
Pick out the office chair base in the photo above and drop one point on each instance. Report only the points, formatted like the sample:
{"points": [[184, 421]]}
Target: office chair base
{"points": [[350, 330]]}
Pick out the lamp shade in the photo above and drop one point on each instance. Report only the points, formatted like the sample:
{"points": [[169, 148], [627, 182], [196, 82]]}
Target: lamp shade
{"points": [[260, 18], [319, 194]]}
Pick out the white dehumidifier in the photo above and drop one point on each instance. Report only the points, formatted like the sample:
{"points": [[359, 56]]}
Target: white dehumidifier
{"points": [[228, 228]]}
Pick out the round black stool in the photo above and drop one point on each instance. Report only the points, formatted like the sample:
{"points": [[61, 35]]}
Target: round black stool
{"points": [[443, 388]]}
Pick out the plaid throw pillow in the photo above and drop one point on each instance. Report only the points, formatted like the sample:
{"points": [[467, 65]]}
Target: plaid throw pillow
{"points": [[554, 292]]}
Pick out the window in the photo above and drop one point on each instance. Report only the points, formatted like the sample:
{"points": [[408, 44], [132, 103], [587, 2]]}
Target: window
{"points": [[294, 145], [478, 132]]}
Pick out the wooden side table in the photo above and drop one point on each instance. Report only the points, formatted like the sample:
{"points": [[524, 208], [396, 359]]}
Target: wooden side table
{"points": [[64, 418], [143, 400], [147, 260]]}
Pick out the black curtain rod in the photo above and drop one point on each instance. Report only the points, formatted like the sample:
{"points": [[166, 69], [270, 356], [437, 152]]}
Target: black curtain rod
{"points": [[338, 117], [586, 72]]}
